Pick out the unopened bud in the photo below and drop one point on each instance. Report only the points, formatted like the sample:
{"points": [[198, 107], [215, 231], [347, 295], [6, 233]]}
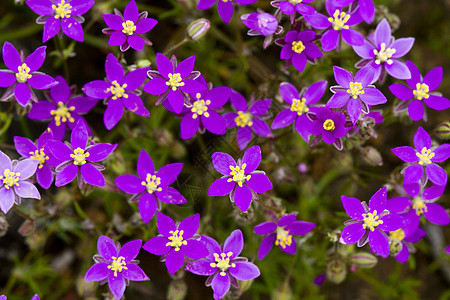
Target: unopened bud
{"points": [[395, 247], [364, 260], [443, 130], [177, 290], [142, 63], [27, 228], [372, 156], [336, 271], [197, 29]]}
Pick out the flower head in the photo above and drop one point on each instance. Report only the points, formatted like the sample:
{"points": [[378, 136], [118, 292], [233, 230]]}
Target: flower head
{"points": [[176, 241], [22, 75], [151, 187], [240, 180], [299, 105], [365, 8], [174, 82], [337, 24], [119, 91], [126, 30], [248, 119], [79, 158], [39, 151], [327, 125], [424, 156], [370, 223], [61, 16], [298, 48], [355, 93], [223, 265], [62, 107], [289, 7], [420, 91], [261, 23], [14, 183], [116, 265], [382, 51], [281, 234]]}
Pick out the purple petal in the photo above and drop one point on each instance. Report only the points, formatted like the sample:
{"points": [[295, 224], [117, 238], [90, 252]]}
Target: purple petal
{"points": [[234, 243], [259, 183], [145, 165], [7, 79], [24, 146], [174, 261], [367, 10], [379, 243], [185, 67], [244, 271], [436, 214], [342, 77], [176, 100], [288, 92], [300, 227], [169, 173], [283, 119], [402, 46], [22, 94], [41, 82], [421, 139], [72, 28], [41, 7], [413, 174], [189, 126], [378, 201], [243, 197], [135, 78], [405, 153], [190, 226], [318, 21], [437, 102], [106, 247], [382, 33], [265, 228], [201, 267], [215, 123], [97, 89], [136, 42], [92, 175], [130, 250], [27, 190], [157, 245], [221, 187], [252, 159], [433, 192], [401, 91], [416, 110], [261, 128], [225, 10], [117, 284], [113, 114], [7, 197], [35, 60], [113, 69], [66, 175], [354, 109], [147, 207], [11, 57], [244, 135], [398, 69], [266, 245], [44, 176], [79, 136], [329, 40], [391, 222], [130, 184], [80, 7], [59, 150], [441, 153], [26, 168], [131, 11], [97, 272], [398, 204], [145, 25], [353, 207], [436, 174], [299, 61], [100, 151], [194, 249], [433, 78], [165, 224], [164, 65], [339, 99], [117, 38], [352, 37], [222, 162], [315, 91], [135, 273], [113, 21]]}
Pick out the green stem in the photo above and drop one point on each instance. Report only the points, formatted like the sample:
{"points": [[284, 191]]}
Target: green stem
{"points": [[60, 46], [174, 47]]}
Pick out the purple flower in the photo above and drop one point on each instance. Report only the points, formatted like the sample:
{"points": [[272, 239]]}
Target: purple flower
{"points": [[370, 223], [173, 81], [118, 91], [80, 159], [224, 7], [223, 265], [14, 183], [339, 23], [382, 51], [299, 48], [39, 152], [61, 16], [62, 107], [151, 186], [281, 234], [327, 125], [300, 104], [240, 180], [355, 93], [126, 30], [289, 7], [203, 115], [247, 119], [365, 8], [260, 22], [420, 90], [22, 74], [423, 156], [421, 202], [176, 241], [401, 242], [116, 265]]}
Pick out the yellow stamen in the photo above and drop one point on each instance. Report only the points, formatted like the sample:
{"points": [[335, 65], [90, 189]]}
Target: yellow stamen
{"points": [[397, 235], [23, 73], [384, 55], [299, 106], [62, 113], [371, 220], [176, 239], [298, 47], [151, 183], [355, 89], [339, 19], [283, 238], [40, 156], [117, 90], [174, 81], [128, 27], [238, 174], [63, 10], [243, 119], [10, 179], [421, 91], [328, 125], [79, 157], [425, 156], [419, 206], [118, 264], [222, 262], [200, 107]]}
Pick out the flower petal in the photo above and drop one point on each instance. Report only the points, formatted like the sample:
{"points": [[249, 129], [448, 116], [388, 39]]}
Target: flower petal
{"points": [[165, 224], [157, 245], [266, 245], [379, 243], [243, 197], [436, 214], [135, 273], [147, 207], [405, 153], [265, 228], [222, 162], [66, 175], [27, 190], [130, 250], [259, 183], [421, 139], [92, 175], [352, 233], [436, 174], [221, 187], [174, 261], [97, 272], [100, 151], [244, 271], [106, 247], [353, 207]]}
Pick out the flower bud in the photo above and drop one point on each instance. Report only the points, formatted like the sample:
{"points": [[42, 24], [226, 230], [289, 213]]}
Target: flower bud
{"points": [[336, 271], [395, 247], [142, 63], [197, 29], [27, 228], [364, 260], [371, 156], [443, 130]]}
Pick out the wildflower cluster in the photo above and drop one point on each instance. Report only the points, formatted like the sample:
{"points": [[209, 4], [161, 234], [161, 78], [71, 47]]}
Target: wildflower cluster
{"points": [[143, 103]]}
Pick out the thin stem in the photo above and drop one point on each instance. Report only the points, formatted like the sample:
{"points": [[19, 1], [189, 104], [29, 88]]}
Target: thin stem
{"points": [[60, 46], [174, 47]]}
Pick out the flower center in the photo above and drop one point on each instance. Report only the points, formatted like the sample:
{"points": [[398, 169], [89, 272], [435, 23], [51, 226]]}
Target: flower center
{"points": [[419, 206], [40, 156], [371, 220], [128, 27], [63, 10], [222, 262], [176, 239], [421, 91], [117, 90], [384, 55], [200, 107], [329, 125], [298, 47], [62, 113], [22, 74], [283, 238], [355, 89], [238, 174], [10, 179], [151, 183], [118, 264], [243, 119], [299, 106], [425, 156], [339, 19], [295, 1], [397, 235], [79, 157], [174, 81]]}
